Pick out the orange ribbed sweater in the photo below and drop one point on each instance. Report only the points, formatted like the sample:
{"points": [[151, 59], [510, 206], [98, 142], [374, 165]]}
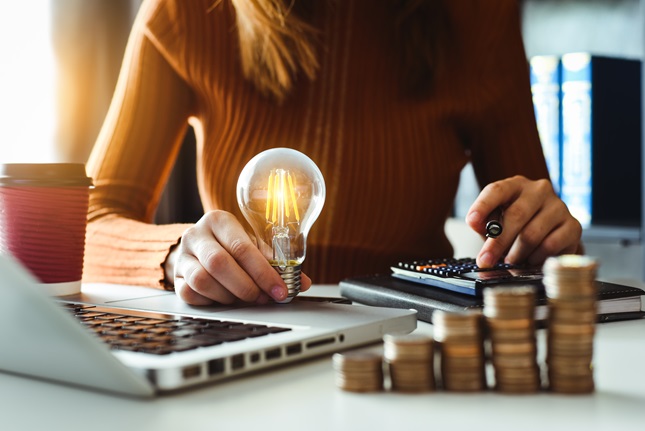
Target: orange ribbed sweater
{"points": [[391, 164]]}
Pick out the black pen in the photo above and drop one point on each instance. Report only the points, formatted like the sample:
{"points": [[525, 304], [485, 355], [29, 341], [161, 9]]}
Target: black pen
{"points": [[494, 225]]}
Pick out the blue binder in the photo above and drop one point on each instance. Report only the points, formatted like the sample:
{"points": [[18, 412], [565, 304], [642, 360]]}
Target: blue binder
{"points": [[545, 88], [601, 139]]}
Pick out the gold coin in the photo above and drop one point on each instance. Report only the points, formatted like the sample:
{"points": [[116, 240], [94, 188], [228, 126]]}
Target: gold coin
{"points": [[570, 353], [558, 290], [516, 361], [414, 370], [440, 317], [413, 388], [462, 350], [448, 368], [518, 348], [582, 304], [448, 327], [570, 339], [465, 362], [571, 329], [475, 385], [516, 389], [570, 262], [407, 339], [408, 347], [504, 324], [352, 385], [564, 385], [561, 315], [565, 371], [458, 335], [584, 362], [531, 372], [512, 296], [358, 360], [509, 313], [512, 335]]}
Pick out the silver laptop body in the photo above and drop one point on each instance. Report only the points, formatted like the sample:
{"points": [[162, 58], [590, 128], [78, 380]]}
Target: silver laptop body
{"points": [[42, 339]]}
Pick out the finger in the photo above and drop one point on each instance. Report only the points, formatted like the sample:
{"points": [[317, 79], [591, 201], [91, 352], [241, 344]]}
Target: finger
{"points": [[305, 282], [533, 234], [263, 299], [550, 232], [188, 295], [243, 265], [195, 280], [492, 197], [553, 245], [516, 216], [562, 240], [221, 271], [490, 253]]}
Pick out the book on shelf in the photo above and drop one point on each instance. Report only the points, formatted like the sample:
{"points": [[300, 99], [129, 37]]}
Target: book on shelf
{"points": [[601, 139], [545, 90], [592, 135]]}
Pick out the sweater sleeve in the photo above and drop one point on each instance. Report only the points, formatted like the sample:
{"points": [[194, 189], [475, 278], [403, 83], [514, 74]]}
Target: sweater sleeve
{"points": [[502, 136], [131, 162]]}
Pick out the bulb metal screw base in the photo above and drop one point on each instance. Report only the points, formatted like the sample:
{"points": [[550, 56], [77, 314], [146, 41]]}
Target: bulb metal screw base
{"points": [[291, 276]]}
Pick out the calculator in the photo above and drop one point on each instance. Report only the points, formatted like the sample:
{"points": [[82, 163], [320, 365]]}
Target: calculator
{"points": [[464, 276]]}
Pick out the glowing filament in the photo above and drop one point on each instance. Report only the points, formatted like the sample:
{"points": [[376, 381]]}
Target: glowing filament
{"points": [[281, 198]]}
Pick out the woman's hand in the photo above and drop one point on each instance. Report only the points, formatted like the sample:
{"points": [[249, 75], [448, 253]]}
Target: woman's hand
{"points": [[536, 223], [217, 261]]}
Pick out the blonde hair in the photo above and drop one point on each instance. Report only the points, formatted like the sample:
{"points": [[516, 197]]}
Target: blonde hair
{"points": [[276, 43]]}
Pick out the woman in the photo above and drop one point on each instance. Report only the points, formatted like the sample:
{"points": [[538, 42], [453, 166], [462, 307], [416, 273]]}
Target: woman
{"points": [[390, 99]]}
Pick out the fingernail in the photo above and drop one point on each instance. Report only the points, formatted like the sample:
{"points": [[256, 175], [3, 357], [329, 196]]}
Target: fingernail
{"points": [[486, 260], [473, 217], [278, 293]]}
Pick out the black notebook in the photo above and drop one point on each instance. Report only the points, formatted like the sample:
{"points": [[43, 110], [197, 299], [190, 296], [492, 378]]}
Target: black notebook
{"points": [[615, 302]]}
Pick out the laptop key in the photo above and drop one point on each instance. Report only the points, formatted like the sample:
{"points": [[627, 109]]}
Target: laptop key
{"points": [[138, 335], [158, 330], [184, 344], [129, 319], [151, 321], [184, 332], [113, 325], [88, 314]]}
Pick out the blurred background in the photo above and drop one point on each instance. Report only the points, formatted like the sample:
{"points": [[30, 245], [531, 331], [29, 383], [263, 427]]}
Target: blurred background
{"points": [[60, 59], [60, 62]]}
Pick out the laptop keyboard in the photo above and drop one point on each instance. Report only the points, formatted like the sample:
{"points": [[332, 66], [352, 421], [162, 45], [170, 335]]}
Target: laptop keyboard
{"points": [[163, 334]]}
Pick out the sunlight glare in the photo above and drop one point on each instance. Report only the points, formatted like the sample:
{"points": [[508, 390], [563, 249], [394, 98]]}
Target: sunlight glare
{"points": [[27, 83]]}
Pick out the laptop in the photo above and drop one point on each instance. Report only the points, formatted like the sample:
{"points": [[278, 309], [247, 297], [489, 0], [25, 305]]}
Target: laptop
{"points": [[75, 339]]}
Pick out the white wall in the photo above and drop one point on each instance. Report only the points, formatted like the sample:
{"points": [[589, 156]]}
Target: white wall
{"points": [[603, 27]]}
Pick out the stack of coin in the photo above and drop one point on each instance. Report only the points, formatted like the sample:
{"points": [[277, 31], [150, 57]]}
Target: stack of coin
{"points": [[410, 361], [510, 319], [359, 371], [460, 342], [571, 290]]}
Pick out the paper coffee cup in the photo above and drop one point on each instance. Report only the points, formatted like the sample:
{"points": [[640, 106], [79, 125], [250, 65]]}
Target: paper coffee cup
{"points": [[43, 218]]}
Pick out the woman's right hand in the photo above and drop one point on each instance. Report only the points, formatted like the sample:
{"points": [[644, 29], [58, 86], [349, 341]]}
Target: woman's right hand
{"points": [[217, 261]]}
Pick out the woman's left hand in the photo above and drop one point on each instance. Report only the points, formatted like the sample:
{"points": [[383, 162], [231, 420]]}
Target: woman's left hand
{"points": [[536, 223]]}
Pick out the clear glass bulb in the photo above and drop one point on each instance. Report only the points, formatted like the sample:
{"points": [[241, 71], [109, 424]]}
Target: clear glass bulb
{"points": [[281, 193]]}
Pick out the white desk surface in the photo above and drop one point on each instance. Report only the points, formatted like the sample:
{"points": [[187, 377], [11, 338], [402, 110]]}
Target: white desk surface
{"points": [[304, 397]]}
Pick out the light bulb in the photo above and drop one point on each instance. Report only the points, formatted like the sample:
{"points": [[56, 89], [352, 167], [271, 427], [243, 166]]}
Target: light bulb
{"points": [[281, 193]]}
